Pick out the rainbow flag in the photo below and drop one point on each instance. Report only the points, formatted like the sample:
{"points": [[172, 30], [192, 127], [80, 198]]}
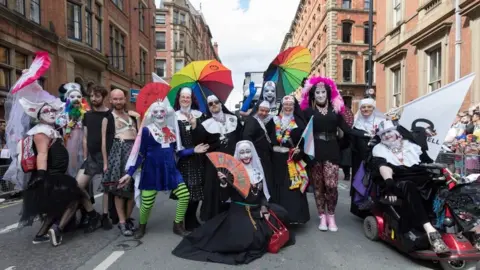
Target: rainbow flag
{"points": [[308, 142]]}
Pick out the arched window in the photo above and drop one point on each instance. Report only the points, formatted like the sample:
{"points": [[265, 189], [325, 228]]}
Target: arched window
{"points": [[347, 70], [346, 32]]}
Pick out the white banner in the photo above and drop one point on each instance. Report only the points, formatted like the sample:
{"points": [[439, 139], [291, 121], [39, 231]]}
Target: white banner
{"points": [[436, 112]]}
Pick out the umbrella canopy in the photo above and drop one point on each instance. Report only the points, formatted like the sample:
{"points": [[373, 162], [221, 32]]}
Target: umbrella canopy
{"points": [[150, 93], [288, 69], [205, 78]]}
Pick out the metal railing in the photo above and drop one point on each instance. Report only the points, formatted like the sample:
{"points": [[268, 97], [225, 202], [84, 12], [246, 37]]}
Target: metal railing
{"points": [[462, 164], [6, 187]]}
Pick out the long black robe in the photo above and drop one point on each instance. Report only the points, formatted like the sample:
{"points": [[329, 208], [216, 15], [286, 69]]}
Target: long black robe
{"points": [[254, 132], [294, 201], [214, 198], [231, 237]]}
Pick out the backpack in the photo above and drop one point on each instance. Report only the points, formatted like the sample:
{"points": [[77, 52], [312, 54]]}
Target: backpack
{"points": [[27, 154]]}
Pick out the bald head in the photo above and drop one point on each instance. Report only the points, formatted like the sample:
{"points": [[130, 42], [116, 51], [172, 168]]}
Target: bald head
{"points": [[117, 98]]}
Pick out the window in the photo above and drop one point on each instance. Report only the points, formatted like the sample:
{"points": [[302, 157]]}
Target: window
{"points": [[367, 69], [160, 19], [98, 29], [175, 41], [141, 17], [347, 70], [366, 4], [347, 4], [20, 61], [346, 32], [20, 6], [74, 22], [178, 65], [88, 23], [118, 3], [366, 33], [143, 64], [35, 11], [160, 40], [182, 18], [397, 12], [435, 69], [181, 41], [117, 49], [175, 17], [397, 87], [160, 67], [4, 71]]}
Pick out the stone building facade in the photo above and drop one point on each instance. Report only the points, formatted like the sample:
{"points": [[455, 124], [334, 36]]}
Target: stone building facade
{"points": [[336, 33], [182, 36], [416, 48], [108, 42]]}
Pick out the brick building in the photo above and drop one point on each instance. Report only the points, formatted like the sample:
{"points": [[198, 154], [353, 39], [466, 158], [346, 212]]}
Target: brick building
{"points": [[108, 42], [336, 33], [182, 36], [416, 48]]}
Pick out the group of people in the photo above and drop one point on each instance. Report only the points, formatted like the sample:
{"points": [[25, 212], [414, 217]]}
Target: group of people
{"points": [[165, 150]]}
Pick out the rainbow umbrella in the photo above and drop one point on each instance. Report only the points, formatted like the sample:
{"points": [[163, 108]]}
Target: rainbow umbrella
{"points": [[288, 69], [205, 78]]}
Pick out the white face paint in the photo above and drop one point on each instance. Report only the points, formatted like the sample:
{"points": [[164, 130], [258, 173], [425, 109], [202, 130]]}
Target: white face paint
{"points": [[75, 97], [320, 94], [269, 94], [245, 153], [159, 114], [391, 138], [48, 114]]}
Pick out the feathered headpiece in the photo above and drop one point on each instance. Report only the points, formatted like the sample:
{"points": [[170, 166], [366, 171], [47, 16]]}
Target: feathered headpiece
{"points": [[335, 98]]}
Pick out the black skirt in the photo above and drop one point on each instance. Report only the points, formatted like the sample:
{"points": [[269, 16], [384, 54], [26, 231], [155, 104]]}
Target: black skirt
{"points": [[233, 237], [50, 198]]}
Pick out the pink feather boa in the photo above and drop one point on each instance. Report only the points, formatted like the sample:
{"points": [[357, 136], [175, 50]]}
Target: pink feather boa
{"points": [[336, 99]]}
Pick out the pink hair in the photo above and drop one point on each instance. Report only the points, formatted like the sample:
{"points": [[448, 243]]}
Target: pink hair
{"points": [[335, 98]]}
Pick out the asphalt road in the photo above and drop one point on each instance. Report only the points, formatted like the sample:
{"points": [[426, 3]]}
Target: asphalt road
{"points": [[345, 249]]}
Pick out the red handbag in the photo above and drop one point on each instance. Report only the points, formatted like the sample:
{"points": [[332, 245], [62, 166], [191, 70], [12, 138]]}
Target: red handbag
{"points": [[280, 236]]}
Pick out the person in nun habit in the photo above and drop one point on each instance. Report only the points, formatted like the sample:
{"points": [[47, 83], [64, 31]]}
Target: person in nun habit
{"points": [[269, 94], [241, 234], [289, 177], [220, 131], [367, 120], [257, 129], [191, 164], [396, 160]]}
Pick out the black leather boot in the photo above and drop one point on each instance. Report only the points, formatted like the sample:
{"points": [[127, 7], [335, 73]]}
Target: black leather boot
{"points": [[141, 231]]}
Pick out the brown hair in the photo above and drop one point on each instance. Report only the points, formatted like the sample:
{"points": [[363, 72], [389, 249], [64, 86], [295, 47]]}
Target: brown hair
{"points": [[98, 89]]}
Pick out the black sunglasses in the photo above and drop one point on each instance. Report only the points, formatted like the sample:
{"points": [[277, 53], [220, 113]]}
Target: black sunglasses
{"points": [[210, 104]]}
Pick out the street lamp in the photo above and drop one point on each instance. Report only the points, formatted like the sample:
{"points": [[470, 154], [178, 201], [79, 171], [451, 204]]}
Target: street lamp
{"points": [[370, 48]]}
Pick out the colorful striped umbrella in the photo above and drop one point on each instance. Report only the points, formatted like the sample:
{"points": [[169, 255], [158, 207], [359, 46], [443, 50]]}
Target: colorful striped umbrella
{"points": [[205, 78], [288, 69]]}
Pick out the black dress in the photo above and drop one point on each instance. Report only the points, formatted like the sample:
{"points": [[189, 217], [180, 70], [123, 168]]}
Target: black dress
{"points": [[294, 201], [237, 236], [192, 168], [214, 199], [254, 132], [52, 196]]}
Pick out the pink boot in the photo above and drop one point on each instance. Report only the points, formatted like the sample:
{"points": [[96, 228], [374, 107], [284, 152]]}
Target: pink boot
{"points": [[332, 226], [323, 223]]}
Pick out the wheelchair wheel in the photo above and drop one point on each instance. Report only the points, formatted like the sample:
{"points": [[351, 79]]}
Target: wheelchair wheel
{"points": [[463, 265], [370, 228]]}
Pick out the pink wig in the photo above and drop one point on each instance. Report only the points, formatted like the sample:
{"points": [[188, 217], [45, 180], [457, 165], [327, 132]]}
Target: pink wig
{"points": [[335, 98]]}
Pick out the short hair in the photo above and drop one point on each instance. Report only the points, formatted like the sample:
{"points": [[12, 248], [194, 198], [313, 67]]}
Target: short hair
{"points": [[98, 89]]}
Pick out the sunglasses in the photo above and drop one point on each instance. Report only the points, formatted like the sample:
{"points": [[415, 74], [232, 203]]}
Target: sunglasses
{"points": [[210, 104]]}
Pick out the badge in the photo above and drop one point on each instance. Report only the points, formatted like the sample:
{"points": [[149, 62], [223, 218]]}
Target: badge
{"points": [[188, 127], [165, 145]]}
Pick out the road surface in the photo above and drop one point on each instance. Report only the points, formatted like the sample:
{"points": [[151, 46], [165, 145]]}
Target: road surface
{"points": [[345, 249]]}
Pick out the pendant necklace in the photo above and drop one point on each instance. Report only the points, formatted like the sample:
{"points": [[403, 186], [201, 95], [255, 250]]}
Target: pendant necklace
{"points": [[323, 110]]}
